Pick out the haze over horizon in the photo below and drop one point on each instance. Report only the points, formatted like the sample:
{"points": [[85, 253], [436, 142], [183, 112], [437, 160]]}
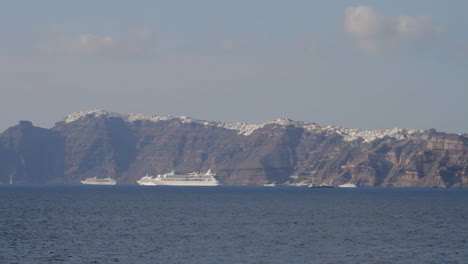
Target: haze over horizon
{"points": [[357, 64]]}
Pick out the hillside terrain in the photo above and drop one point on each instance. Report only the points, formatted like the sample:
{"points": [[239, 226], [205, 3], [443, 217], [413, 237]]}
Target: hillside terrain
{"points": [[126, 147]]}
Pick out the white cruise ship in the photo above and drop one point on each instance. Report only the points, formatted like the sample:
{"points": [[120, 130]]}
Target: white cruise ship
{"points": [[96, 181], [172, 179]]}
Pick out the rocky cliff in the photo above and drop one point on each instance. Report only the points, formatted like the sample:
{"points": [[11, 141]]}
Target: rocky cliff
{"points": [[126, 147], [30, 154]]}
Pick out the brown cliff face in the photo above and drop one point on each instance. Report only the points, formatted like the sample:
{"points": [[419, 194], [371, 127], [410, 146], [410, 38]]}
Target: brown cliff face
{"points": [[106, 146], [97, 147]]}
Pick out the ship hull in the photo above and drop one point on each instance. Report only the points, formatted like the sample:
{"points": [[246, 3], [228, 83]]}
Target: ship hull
{"points": [[96, 183], [177, 183]]}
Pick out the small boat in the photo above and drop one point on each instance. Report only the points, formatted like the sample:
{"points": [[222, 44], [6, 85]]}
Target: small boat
{"points": [[321, 186], [347, 185], [146, 180], [270, 184]]}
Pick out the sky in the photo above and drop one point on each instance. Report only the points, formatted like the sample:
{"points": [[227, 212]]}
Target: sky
{"points": [[367, 64]]}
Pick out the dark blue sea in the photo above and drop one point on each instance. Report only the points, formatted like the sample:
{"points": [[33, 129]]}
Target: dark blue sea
{"points": [[144, 224]]}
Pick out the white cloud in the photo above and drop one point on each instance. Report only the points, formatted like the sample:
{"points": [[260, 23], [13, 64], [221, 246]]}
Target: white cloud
{"points": [[415, 26], [364, 22], [90, 44], [96, 44], [82, 44], [373, 30]]}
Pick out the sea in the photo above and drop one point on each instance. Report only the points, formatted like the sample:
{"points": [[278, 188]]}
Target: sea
{"points": [[224, 224]]}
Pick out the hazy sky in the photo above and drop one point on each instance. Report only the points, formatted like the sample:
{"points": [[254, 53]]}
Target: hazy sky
{"points": [[358, 64]]}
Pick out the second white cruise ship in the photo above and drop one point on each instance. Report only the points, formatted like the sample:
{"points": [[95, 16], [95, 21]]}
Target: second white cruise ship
{"points": [[172, 179], [96, 181]]}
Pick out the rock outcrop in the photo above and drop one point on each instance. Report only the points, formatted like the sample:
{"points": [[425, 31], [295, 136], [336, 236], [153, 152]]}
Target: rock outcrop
{"points": [[126, 147], [29, 154]]}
